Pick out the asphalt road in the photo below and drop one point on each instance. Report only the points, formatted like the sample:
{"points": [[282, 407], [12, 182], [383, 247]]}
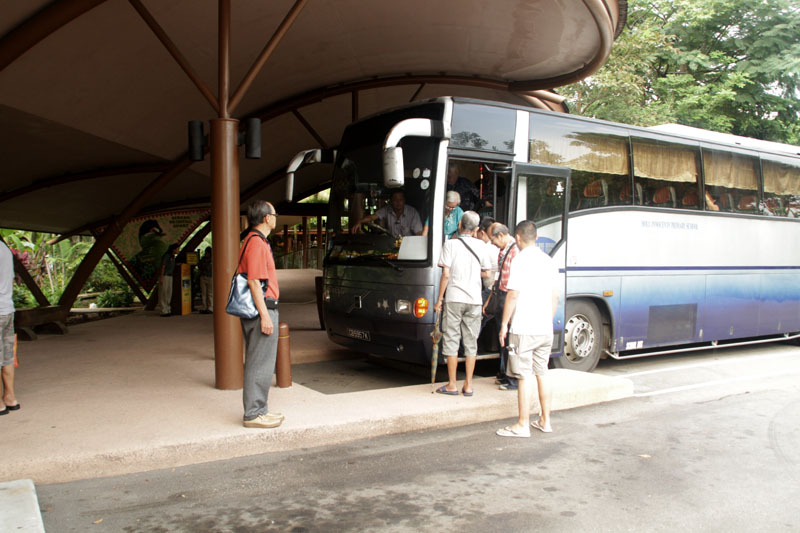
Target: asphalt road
{"points": [[709, 442]]}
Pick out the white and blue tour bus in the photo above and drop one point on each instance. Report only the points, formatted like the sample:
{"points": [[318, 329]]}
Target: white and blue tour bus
{"points": [[666, 240]]}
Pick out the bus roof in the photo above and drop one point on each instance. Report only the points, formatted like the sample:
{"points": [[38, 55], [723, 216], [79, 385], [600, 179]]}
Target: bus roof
{"points": [[727, 138]]}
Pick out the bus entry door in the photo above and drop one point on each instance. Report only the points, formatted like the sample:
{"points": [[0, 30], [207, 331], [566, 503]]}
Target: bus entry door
{"points": [[542, 195]]}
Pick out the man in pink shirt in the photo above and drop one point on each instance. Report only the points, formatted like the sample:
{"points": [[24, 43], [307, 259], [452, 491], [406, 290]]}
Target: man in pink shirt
{"points": [[261, 332]]}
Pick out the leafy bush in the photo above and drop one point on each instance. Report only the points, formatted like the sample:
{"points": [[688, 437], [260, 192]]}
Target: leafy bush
{"points": [[104, 278], [22, 297], [113, 298], [53, 295]]}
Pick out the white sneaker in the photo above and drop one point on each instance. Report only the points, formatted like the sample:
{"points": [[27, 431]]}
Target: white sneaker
{"points": [[265, 421]]}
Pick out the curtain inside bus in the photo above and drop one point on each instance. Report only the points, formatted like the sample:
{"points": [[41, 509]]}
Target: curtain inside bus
{"points": [[781, 188], [666, 173], [731, 180], [597, 155]]}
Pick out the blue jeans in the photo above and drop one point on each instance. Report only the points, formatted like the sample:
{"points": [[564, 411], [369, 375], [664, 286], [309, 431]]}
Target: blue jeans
{"points": [[261, 351]]}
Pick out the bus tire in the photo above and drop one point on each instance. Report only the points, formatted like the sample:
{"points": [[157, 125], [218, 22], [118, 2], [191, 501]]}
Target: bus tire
{"points": [[583, 337]]}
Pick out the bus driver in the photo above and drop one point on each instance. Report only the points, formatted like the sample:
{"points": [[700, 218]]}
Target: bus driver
{"points": [[397, 217]]}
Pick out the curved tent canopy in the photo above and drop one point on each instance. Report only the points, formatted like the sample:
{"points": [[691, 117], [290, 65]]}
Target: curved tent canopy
{"points": [[94, 108]]}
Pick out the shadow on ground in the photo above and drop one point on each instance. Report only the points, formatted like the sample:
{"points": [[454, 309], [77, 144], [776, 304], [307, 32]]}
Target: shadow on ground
{"points": [[369, 373]]}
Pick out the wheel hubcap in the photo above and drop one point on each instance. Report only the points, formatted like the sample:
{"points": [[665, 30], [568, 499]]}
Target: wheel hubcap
{"points": [[580, 338]]}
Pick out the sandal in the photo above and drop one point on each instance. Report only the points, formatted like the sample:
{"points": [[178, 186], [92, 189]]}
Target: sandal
{"points": [[508, 432], [535, 424]]}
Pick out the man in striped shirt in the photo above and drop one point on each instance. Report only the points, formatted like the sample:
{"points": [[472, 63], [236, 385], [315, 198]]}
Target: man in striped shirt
{"points": [[501, 237]]}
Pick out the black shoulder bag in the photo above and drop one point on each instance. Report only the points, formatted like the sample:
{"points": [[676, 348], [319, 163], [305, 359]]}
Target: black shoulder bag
{"points": [[495, 298]]}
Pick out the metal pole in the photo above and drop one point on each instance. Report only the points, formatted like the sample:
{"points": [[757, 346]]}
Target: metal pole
{"points": [[305, 242], [224, 57], [228, 350], [320, 244]]}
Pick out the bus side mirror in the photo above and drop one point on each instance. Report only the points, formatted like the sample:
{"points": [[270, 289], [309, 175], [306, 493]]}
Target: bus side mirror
{"points": [[393, 172], [305, 158], [289, 186]]}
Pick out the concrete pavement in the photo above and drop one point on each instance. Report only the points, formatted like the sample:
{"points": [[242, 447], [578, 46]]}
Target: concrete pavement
{"points": [[136, 393]]}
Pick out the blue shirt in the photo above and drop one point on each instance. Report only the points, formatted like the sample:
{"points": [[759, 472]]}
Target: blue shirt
{"points": [[451, 221]]}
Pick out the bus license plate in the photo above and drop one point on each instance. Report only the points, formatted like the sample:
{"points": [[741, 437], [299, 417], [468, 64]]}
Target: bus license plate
{"points": [[359, 334]]}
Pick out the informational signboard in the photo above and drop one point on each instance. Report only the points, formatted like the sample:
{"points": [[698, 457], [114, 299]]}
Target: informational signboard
{"points": [[144, 241]]}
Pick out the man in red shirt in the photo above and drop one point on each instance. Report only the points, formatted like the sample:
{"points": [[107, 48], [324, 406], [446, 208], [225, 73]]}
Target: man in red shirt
{"points": [[261, 332]]}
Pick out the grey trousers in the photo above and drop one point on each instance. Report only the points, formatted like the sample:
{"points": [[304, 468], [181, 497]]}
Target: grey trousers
{"points": [[165, 295], [259, 364], [7, 339]]}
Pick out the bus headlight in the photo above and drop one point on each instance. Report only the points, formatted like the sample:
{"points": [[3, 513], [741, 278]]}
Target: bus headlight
{"points": [[402, 307], [420, 307]]}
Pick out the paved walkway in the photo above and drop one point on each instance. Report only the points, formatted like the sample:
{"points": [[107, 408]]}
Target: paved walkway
{"points": [[136, 393]]}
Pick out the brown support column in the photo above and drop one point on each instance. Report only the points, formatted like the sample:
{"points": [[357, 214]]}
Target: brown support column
{"points": [[225, 227], [320, 244], [305, 242]]}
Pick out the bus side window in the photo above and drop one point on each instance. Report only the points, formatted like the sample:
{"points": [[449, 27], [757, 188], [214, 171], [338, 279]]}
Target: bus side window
{"points": [[544, 199], [732, 178], [597, 155], [668, 172], [598, 190], [781, 188]]}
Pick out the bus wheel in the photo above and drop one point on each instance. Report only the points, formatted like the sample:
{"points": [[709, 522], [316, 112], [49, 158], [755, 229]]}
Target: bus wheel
{"points": [[583, 337]]}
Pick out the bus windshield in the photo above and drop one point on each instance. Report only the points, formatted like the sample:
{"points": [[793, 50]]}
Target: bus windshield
{"points": [[370, 223]]}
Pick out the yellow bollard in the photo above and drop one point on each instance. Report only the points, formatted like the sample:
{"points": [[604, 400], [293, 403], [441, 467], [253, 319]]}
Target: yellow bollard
{"points": [[283, 365]]}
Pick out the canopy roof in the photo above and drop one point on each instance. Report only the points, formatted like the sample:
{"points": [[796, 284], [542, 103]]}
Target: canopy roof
{"points": [[93, 108]]}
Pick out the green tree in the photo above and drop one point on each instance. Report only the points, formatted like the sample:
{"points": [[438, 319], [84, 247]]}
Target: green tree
{"points": [[726, 65], [52, 265]]}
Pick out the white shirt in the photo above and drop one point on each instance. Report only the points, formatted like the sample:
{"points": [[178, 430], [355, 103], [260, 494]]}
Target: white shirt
{"points": [[491, 251], [408, 223], [535, 275], [6, 280], [464, 285]]}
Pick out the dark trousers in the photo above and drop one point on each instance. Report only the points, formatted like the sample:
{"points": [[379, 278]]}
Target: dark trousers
{"points": [[503, 350], [484, 319]]}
